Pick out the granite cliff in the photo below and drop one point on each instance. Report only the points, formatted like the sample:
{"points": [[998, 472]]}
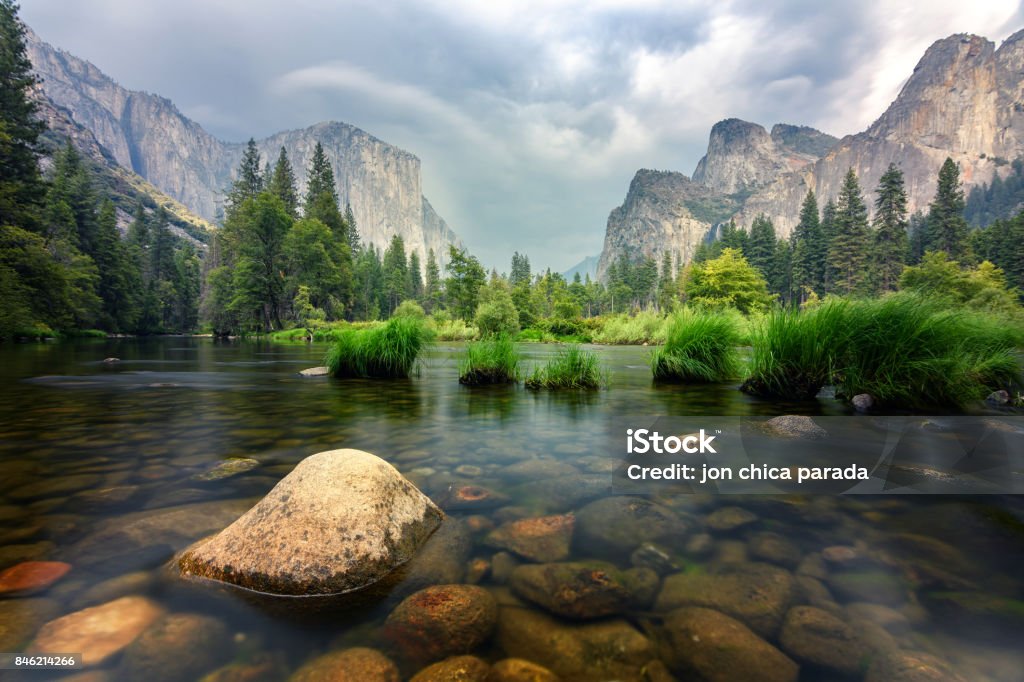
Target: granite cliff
{"points": [[147, 134], [965, 100]]}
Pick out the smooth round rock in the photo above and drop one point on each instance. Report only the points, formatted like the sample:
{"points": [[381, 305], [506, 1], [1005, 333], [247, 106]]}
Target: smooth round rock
{"points": [[520, 670], [729, 519], [615, 526], [179, 646], [359, 664], [817, 637], [576, 590], [456, 669], [441, 621], [543, 538], [340, 521], [32, 576]]}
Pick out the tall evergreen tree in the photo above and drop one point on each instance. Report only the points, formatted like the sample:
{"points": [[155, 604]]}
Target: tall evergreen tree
{"points": [[432, 283], [946, 227], [465, 277], [415, 288], [353, 229], [760, 247], [667, 285], [120, 283], [249, 182], [520, 272], [809, 250], [396, 274], [282, 184], [21, 187], [890, 237], [320, 178], [848, 249]]}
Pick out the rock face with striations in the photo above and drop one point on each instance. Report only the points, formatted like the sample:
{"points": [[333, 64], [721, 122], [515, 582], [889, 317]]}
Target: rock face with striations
{"points": [[340, 521], [964, 100], [147, 134]]}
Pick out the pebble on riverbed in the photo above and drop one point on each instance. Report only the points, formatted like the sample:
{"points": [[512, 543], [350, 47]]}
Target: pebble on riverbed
{"points": [[440, 621]]}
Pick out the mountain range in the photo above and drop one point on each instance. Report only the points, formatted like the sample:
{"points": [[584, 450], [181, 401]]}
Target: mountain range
{"points": [[964, 100], [146, 135]]}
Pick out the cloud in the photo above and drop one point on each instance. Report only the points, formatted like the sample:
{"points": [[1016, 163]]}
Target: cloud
{"points": [[530, 116]]}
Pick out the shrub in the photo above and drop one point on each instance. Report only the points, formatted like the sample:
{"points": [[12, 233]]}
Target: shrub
{"points": [[701, 347], [494, 360], [388, 351], [571, 367], [447, 329], [646, 326], [496, 313], [409, 308], [728, 281]]}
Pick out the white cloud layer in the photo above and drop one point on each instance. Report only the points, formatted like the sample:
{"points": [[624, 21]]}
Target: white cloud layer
{"points": [[530, 117]]}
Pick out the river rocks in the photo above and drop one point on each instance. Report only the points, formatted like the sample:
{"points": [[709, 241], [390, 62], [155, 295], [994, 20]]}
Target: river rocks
{"points": [[536, 469], [910, 666], [614, 526], [32, 576], [315, 372], [757, 594], [104, 499], [862, 402], [54, 487], [793, 426], [20, 618], [137, 582], [891, 620], [775, 549], [341, 521], [11, 555], [455, 669], [98, 632], [870, 585], [543, 538], [843, 555], [582, 590], [502, 566], [608, 649], [710, 646], [471, 497], [179, 646], [440, 561], [358, 664], [821, 639], [982, 611], [441, 621], [998, 398], [520, 670], [729, 519], [654, 557], [226, 469]]}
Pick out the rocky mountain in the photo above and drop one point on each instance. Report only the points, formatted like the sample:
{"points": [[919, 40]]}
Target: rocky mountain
{"points": [[965, 100], [147, 134], [586, 267]]}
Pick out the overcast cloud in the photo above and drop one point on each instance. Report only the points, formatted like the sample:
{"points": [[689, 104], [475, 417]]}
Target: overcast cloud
{"points": [[531, 116]]}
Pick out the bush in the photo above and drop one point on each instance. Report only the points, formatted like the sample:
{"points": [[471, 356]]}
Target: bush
{"points": [[409, 309], [388, 351], [447, 329], [496, 313], [491, 361], [701, 347], [905, 350], [571, 367], [646, 326]]}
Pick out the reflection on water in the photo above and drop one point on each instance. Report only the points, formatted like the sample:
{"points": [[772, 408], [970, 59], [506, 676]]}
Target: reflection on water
{"points": [[102, 466]]}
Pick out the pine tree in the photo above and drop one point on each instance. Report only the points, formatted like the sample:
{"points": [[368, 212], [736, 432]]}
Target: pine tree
{"points": [[120, 283], [847, 254], [396, 274], [249, 182], [760, 247], [667, 285], [780, 275], [432, 283], [828, 233], [353, 230], [21, 186], [415, 288], [890, 237], [282, 184], [946, 227], [320, 178], [809, 250]]}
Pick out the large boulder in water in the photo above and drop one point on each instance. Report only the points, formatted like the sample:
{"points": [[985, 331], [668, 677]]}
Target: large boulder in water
{"points": [[340, 521]]}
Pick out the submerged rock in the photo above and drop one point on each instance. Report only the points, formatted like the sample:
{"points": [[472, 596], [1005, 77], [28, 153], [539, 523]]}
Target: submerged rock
{"points": [[226, 469], [340, 521], [821, 639], [707, 645], [998, 398], [359, 664], [179, 646], [615, 526], [542, 538], [456, 669], [607, 649], [728, 519], [794, 426], [520, 670], [20, 618], [583, 590], [441, 621], [440, 561], [910, 666], [862, 402], [98, 632], [757, 594], [315, 372], [471, 497], [32, 576]]}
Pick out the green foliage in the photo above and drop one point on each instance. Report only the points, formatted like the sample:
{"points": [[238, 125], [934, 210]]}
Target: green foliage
{"points": [[496, 313], [701, 347], [890, 236], [396, 274], [445, 328], [388, 351], [249, 182], [465, 277], [809, 250], [282, 184], [411, 309], [1000, 243], [728, 281], [493, 360], [848, 246], [645, 326], [982, 288], [946, 229], [998, 200], [571, 367]]}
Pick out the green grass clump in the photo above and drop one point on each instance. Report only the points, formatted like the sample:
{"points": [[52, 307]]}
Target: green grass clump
{"points": [[387, 351], [795, 352], [453, 330], [906, 350], [701, 347], [493, 360], [571, 367]]}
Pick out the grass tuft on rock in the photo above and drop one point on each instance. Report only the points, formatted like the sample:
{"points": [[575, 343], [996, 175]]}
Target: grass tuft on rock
{"points": [[571, 367], [494, 360], [385, 352], [700, 348]]}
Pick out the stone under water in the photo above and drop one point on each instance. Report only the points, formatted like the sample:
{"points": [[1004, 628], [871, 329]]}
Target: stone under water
{"points": [[340, 521]]}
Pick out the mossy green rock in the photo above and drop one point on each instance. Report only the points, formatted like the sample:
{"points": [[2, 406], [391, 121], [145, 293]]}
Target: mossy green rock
{"points": [[584, 590], [340, 521], [708, 645], [756, 594], [615, 526]]}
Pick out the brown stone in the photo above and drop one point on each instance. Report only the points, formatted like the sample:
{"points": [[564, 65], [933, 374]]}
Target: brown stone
{"points": [[456, 669], [440, 621], [358, 664], [520, 670], [32, 576], [543, 538]]}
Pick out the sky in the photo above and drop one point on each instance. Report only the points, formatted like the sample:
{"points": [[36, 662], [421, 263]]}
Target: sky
{"points": [[530, 116]]}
